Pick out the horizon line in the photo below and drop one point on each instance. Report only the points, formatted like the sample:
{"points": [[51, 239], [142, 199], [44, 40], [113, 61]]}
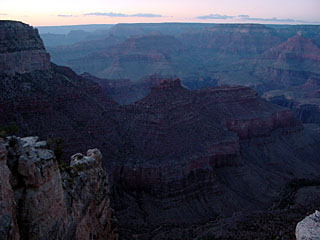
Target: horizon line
{"points": [[231, 23]]}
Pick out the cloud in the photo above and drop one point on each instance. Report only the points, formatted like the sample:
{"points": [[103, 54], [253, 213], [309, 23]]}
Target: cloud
{"points": [[243, 16], [215, 16], [65, 15], [247, 17], [146, 15], [112, 14]]}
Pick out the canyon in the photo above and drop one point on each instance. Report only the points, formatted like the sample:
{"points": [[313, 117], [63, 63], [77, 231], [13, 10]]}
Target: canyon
{"points": [[182, 161], [274, 60], [202, 155]]}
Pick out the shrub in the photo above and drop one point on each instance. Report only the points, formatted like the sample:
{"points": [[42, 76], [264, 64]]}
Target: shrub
{"points": [[9, 129], [55, 144]]}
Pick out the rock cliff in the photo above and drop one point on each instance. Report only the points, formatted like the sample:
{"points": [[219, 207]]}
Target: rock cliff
{"points": [[21, 49], [52, 102], [43, 201]]}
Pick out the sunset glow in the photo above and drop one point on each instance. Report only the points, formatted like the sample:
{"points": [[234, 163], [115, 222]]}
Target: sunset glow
{"points": [[44, 13]]}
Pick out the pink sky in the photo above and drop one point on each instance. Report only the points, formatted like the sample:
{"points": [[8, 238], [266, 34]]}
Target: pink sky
{"points": [[71, 12]]}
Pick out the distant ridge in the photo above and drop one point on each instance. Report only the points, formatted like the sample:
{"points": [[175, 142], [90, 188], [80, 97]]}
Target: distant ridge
{"points": [[65, 29]]}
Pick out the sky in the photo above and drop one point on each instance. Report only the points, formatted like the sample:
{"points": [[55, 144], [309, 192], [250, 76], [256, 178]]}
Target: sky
{"points": [[76, 12]]}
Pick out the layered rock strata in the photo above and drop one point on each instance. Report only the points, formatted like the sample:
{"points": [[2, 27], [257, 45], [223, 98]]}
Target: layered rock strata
{"points": [[196, 156]]}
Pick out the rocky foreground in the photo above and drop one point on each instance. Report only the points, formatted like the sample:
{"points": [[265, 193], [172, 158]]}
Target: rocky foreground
{"points": [[41, 200], [309, 228]]}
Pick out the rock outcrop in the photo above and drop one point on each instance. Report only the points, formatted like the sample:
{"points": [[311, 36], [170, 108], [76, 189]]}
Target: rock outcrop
{"points": [[43, 201], [21, 49], [309, 228]]}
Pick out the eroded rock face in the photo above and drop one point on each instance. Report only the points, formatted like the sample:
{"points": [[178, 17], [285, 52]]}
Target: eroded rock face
{"points": [[43, 202], [87, 194], [36, 181], [21, 49], [309, 228]]}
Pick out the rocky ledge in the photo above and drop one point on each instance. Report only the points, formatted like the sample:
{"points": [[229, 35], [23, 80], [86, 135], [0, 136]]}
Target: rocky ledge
{"points": [[44, 199]]}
